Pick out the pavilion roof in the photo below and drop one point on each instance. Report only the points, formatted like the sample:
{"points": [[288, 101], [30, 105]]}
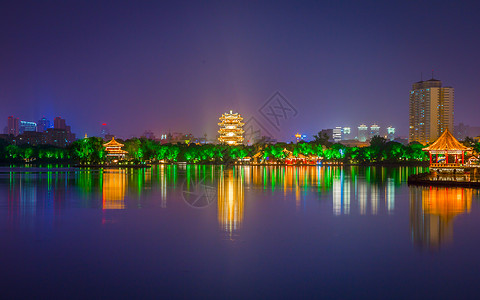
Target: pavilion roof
{"points": [[113, 143], [447, 142]]}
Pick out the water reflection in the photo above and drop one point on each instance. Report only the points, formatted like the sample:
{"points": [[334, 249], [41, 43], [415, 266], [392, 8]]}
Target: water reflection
{"points": [[231, 192], [432, 212], [114, 188]]}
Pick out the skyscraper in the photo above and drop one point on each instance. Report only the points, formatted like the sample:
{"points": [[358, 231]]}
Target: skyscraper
{"points": [[390, 133], [59, 123], [43, 124], [337, 134], [346, 133], [362, 133], [13, 125], [431, 110], [374, 130]]}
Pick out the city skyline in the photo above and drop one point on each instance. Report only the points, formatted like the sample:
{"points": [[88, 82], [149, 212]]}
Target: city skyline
{"points": [[153, 66]]}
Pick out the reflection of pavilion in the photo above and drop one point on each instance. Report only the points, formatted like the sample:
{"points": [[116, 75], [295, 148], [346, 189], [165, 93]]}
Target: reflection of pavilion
{"points": [[230, 199], [114, 182], [432, 211]]}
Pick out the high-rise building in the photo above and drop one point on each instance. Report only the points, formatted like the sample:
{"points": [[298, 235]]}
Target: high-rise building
{"points": [[59, 123], [337, 134], [231, 128], [390, 133], [346, 133], [362, 133], [43, 124], [13, 126], [430, 111], [374, 130], [27, 126]]}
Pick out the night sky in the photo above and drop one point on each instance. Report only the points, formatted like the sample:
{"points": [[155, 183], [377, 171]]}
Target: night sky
{"points": [[178, 66]]}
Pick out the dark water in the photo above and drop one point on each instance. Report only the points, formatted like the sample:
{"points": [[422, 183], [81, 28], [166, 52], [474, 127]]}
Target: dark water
{"points": [[242, 233]]}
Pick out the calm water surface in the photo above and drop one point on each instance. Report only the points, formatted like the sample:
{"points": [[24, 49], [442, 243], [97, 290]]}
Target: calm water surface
{"points": [[236, 233]]}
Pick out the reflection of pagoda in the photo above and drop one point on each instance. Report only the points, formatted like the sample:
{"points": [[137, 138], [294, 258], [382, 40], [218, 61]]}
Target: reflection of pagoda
{"points": [[231, 129], [230, 200], [114, 149], [114, 182], [432, 211]]}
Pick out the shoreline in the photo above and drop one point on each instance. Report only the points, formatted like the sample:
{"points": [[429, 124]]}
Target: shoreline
{"points": [[425, 179]]}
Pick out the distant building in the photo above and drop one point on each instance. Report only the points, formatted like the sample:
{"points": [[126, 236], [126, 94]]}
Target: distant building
{"points": [[354, 143], [328, 133], [430, 110], [362, 133], [390, 133], [13, 126], [300, 137], [403, 141], [148, 134], [337, 134], [347, 133], [59, 123], [104, 131], [231, 129], [374, 131], [32, 138], [43, 124], [461, 131], [27, 126], [59, 137]]}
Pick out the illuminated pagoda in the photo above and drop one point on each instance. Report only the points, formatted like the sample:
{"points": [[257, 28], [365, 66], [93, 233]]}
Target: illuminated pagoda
{"points": [[114, 149], [231, 129], [446, 145]]}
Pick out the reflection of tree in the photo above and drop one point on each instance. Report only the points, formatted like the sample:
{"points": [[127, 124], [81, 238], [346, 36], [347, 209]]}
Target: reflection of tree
{"points": [[432, 211], [114, 188], [231, 199]]}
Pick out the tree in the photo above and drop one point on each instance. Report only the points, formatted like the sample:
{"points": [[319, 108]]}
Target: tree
{"points": [[322, 138]]}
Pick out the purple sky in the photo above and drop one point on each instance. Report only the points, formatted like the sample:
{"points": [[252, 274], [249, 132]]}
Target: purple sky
{"points": [[177, 67]]}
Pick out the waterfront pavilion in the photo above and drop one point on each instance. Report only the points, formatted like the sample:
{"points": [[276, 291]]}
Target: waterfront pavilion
{"points": [[114, 149], [444, 147]]}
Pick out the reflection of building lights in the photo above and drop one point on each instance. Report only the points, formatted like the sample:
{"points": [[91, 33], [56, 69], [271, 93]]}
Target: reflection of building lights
{"points": [[114, 188], [230, 200], [362, 197], [432, 211], [374, 199], [390, 195]]}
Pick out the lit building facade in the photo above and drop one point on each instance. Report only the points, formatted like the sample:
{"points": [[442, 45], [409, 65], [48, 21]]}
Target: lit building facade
{"points": [[231, 129], [114, 149], [27, 126], [374, 130], [362, 133], [430, 111], [337, 134], [346, 133], [390, 133]]}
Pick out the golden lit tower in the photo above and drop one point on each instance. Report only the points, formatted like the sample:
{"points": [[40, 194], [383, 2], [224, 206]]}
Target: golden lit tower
{"points": [[231, 128], [431, 111]]}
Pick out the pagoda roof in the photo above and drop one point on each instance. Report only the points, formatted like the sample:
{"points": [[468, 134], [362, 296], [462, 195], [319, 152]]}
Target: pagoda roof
{"points": [[113, 143], [447, 142]]}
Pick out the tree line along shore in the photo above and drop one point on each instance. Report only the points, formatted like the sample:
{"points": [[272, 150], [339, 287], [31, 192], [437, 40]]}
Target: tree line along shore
{"points": [[140, 151]]}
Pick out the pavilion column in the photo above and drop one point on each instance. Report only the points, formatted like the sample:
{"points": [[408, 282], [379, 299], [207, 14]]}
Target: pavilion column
{"points": [[430, 157], [446, 157], [463, 156]]}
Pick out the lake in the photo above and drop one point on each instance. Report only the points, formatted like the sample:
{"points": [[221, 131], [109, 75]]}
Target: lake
{"points": [[181, 231]]}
